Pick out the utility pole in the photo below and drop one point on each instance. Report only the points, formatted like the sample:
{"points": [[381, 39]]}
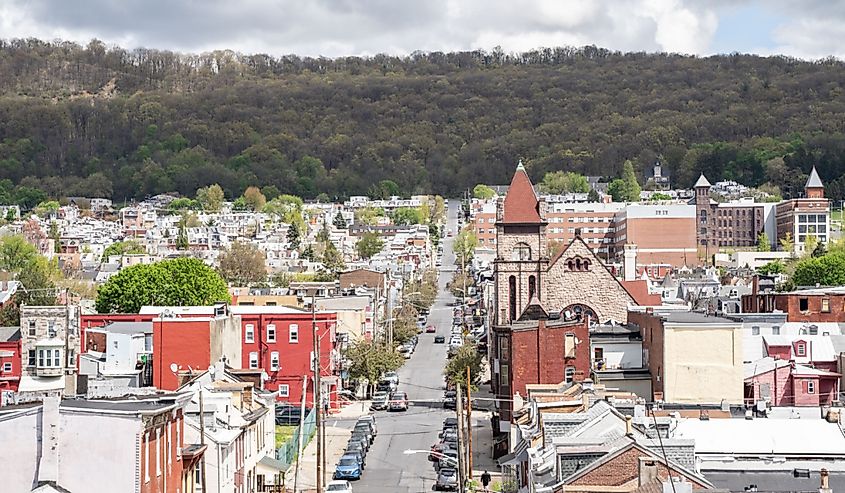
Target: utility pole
{"points": [[469, 427], [459, 411], [202, 440], [318, 391]]}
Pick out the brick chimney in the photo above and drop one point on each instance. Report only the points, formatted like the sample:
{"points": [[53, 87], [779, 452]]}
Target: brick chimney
{"points": [[824, 482]]}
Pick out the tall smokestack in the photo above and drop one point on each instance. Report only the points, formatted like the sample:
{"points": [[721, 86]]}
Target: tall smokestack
{"points": [[630, 262]]}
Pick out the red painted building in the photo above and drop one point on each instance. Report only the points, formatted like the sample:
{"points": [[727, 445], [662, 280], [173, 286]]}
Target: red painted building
{"points": [[536, 350], [280, 341], [10, 358], [785, 383], [807, 305]]}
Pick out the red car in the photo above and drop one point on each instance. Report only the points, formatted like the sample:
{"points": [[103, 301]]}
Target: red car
{"points": [[430, 329]]}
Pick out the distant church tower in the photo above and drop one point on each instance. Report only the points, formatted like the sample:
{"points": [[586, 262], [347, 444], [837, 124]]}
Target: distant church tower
{"points": [[521, 248], [705, 221], [814, 189]]}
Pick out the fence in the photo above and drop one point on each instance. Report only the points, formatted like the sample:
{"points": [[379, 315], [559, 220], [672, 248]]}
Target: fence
{"points": [[288, 451]]}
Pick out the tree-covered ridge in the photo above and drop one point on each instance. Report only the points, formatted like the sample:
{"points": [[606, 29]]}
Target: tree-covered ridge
{"points": [[105, 121]]}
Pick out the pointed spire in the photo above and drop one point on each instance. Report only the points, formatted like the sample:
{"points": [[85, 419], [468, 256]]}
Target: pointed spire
{"points": [[702, 182], [814, 181], [521, 204], [520, 166]]}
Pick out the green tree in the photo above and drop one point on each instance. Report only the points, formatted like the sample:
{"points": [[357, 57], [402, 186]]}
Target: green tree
{"points": [[368, 215], [763, 243], [333, 260], [177, 282], [384, 190], [183, 204], [308, 253], [339, 222], [464, 246], [293, 236], [458, 282], [16, 253], [483, 192], [787, 244], [827, 270], [660, 196], [467, 356], [243, 264], [54, 234], [772, 268], [593, 196], [182, 242], [47, 208], [369, 360], [616, 189], [127, 247], [270, 192], [368, 245], [557, 182], [211, 198], [632, 186], [408, 215]]}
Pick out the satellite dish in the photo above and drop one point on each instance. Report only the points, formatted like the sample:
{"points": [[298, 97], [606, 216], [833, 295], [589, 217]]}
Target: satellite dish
{"points": [[174, 367]]}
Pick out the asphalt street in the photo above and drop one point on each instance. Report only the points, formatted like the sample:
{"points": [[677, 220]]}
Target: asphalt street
{"points": [[389, 469]]}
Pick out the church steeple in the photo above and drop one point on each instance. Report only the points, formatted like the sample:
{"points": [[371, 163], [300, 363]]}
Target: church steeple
{"points": [[814, 189]]}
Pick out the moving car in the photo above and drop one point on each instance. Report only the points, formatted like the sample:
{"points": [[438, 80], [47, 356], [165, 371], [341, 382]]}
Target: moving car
{"points": [[398, 402], [439, 339], [430, 329], [379, 401], [447, 479], [339, 487], [347, 468]]}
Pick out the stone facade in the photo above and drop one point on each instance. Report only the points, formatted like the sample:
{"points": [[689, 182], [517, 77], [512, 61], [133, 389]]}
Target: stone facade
{"points": [[54, 329]]}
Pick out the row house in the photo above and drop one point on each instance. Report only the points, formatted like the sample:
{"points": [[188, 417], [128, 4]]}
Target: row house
{"points": [[10, 360], [50, 343], [145, 450], [238, 427], [803, 305], [137, 220], [785, 383]]}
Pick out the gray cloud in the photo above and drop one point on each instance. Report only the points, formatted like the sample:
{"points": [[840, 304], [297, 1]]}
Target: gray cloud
{"points": [[350, 27]]}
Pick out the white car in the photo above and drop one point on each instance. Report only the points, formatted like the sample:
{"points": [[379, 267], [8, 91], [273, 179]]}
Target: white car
{"points": [[391, 376], [339, 486]]}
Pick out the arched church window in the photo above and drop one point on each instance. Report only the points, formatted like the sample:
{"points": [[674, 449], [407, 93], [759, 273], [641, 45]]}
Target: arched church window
{"points": [[532, 287], [512, 297], [521, 252]]}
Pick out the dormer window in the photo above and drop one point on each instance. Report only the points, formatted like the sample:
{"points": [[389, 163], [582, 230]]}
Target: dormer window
{"points": [[801, 349], [521, 252]]}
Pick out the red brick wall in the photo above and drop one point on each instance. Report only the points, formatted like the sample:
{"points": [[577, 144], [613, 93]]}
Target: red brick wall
{"points": [[10, 380], [618, 471], [171, 467], [799, 390], [184, 342], [537, 355], [652, 333], [780, 385], [790, 303]]}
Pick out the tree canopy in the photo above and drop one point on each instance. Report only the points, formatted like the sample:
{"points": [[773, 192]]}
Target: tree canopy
{"points": [[177, 282], [243, 264], [558, 182], [126, 247], [482, 191], [368, 245], [107, 121]]}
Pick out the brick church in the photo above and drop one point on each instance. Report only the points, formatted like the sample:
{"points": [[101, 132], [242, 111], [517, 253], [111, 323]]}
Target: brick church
{"points": [[544, 305]]}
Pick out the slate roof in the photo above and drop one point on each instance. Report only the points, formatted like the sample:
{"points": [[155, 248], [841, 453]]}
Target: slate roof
{"points": [[702, 182], [814, 181], [521, 203]]}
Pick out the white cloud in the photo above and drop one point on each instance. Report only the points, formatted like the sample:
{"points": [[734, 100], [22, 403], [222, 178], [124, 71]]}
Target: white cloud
{"points": [[354, 27]]}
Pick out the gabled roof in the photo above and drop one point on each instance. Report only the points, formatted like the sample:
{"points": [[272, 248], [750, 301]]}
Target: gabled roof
{"points": [[521, 203], [534, 311], [702, 182], [814, 181]]}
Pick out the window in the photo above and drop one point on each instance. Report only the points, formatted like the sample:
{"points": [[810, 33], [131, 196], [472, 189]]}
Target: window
{"points": [[57, 358], [755, 330], [7, 367], [31, 357], [158, 451], [826, 305], [521, 252], [253, 360], [271, 333], [569, 373], [800, 349], [274, 361], [811, 387], [270, 303], [147, 458], [32, 327], [293, 333], [803, 304], [512, 297], [249, 333], [775, 330], [814, 330], [504, 375], [284, 390], [532, 287]]}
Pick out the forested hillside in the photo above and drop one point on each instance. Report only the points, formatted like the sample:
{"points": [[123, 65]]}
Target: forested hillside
{"points": [[105, 121]]}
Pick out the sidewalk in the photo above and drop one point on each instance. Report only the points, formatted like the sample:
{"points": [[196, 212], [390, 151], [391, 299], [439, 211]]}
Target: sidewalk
{"points": [[338, 430], [482, 436]]}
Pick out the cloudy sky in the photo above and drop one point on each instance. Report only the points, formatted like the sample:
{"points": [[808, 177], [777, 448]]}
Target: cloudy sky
{"points": [[806, 29]]}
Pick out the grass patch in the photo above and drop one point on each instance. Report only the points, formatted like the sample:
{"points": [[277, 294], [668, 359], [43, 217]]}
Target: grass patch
{"points": [[283, 434]]}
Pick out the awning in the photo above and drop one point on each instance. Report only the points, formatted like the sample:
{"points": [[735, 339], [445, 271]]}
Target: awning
{"points": [[33, 384], [519, 454], [269, 465]]}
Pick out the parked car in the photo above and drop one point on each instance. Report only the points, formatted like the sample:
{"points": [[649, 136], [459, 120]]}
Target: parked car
{"points": [[371, 421], [430, 329], [398, 402], [448, 459], [386, 386], [450, 399], [339, 487], [288, 414], [356, 448], [439, 339], [391, 376], [347, 468], [365, 429], [447, 479], [362, 439], [380, 401], [359, 456]]}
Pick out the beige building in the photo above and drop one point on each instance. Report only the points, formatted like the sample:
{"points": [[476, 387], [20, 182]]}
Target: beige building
{"points": [[693, 358], [50, 342]]}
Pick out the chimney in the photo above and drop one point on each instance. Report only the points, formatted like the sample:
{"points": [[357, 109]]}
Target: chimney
{"points": [[824, 486], [629, 428], [630, 262], [647, 470], [49, 467]]}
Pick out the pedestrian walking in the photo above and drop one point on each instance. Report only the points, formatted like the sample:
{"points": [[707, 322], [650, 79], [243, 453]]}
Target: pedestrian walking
{"points": [[485, 480]]}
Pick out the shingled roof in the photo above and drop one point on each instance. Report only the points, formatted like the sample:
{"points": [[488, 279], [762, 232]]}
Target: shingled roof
{"points": [[521, 203]]}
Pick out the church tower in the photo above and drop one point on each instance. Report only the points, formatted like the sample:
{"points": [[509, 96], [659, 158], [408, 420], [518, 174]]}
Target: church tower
{"points": [[521, 249], [814, 189]]}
